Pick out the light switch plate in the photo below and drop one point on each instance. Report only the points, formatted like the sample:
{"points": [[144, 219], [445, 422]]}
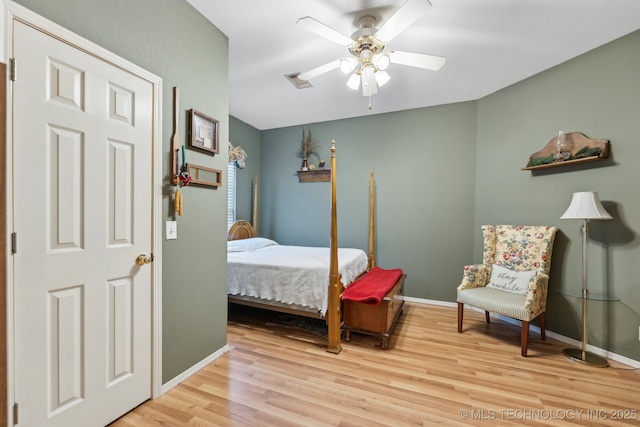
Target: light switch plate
{"points": [[172, 230]]}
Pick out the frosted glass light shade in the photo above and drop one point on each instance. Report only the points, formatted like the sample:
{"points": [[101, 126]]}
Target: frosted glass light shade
{"points": [[382, 62], [382, 77], [585, 205], [347, 65], [354, 81]]}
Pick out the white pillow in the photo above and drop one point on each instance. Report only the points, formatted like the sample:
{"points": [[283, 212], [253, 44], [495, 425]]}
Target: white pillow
{"points": [[508, 280], [249, 244]]}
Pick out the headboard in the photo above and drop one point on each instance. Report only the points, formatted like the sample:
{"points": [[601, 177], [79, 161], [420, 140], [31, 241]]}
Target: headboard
{"points": [[239, 230]]}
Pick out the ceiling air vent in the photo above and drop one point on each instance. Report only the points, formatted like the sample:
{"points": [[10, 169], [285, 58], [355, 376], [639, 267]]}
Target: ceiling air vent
{"points": [[300, 84]]}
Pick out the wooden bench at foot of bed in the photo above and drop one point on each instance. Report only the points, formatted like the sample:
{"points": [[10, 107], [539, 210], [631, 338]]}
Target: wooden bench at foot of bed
{"points": [[379, 319]]}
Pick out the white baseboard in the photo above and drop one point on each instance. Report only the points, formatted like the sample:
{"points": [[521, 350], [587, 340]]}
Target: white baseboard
{"points": [[550, 334], [192, 370], [431, 302]]}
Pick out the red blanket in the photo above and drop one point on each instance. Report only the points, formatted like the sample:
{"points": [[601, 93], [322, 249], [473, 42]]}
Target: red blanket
{"points": [[371, 288]]}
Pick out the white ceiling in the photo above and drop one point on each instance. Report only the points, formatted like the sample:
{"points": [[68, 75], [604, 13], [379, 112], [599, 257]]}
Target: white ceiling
{"points": [[489, 45]]}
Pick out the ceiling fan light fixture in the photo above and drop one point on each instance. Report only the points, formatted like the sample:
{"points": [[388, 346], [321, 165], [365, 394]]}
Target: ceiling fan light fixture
{"points": [[365, 56], [371, 88], [382, 62], [354, 81], [347, 65], [382, 77], [367, 44], [369, 85]]}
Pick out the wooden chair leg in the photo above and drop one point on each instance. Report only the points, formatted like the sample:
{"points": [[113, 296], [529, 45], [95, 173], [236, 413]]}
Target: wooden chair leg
{"points": [[542, 328], [524, 338], [486, 316], [460, 311]]}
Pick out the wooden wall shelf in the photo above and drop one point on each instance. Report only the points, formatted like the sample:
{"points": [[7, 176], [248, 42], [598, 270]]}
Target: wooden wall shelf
{"points": [[575, 141], [564, 163], [202, 175], [323, 175]]}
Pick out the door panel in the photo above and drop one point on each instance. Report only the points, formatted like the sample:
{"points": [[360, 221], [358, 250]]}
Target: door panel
{"points": [[65, 203], [83, 133]]}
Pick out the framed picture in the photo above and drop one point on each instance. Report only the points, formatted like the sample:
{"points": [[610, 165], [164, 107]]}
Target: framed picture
{"points": [[203, 132]]}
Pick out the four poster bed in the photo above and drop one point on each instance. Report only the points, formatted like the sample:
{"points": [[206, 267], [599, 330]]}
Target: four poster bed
{"points": [[293, 279]]}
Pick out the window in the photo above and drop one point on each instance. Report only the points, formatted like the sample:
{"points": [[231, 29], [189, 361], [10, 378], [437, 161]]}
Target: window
{"points": [[231, 198]]}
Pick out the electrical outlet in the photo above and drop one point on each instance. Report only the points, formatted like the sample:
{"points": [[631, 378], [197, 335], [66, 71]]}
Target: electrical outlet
{"points": [[172, 230]]}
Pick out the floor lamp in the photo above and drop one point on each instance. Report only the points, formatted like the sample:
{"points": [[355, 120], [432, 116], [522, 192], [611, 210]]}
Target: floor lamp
{"points": [[585, 206]]}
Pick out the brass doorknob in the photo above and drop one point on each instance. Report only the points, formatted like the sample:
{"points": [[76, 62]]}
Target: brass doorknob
{"points": [[144, 259]]}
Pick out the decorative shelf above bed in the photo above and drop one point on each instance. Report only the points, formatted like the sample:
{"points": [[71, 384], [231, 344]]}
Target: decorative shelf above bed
{"points": [[323, 175], [578, 149]]}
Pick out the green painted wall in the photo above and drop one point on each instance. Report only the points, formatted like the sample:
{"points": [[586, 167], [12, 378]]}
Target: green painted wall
{"points": [[596, 94], [424, 163], [248, 138], [172, 40]]}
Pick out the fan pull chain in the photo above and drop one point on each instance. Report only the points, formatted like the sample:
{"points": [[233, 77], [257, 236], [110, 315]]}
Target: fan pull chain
{"points": [[369, 101]]}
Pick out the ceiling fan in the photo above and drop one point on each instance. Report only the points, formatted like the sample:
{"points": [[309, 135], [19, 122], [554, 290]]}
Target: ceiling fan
{"points": [[369, 61]]}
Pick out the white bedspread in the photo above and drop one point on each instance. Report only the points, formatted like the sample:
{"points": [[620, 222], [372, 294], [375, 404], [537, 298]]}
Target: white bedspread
{"points": [[289, 274]]}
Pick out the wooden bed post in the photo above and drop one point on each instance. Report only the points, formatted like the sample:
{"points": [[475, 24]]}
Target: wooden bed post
{"points": [[372, 236], [255, 206], [335, 286]]}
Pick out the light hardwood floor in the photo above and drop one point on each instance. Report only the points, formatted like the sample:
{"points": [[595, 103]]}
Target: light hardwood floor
{"points": [[430, 375]]}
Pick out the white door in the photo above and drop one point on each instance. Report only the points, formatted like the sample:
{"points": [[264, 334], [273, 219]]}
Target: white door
{"points": [[82, 210]]}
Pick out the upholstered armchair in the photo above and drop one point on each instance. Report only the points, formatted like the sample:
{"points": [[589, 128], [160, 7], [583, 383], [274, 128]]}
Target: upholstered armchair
{"points": [[513, 277]]}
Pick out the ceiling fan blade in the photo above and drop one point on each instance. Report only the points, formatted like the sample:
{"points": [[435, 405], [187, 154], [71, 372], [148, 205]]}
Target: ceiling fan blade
{"points": [[311, 74], [311, 24], [428, 62], [408, 13]]}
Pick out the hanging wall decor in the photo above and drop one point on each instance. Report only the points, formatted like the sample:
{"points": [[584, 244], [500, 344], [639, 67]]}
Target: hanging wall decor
{"points": [[179, 172], [237, 155], [203, 132], [568, 149]]}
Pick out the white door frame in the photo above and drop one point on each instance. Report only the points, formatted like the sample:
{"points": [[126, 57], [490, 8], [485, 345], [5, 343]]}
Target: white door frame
{"points": [[10, 12]]}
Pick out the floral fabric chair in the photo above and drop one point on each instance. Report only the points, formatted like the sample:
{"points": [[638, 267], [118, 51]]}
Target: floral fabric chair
{"points": [[526, 252]]}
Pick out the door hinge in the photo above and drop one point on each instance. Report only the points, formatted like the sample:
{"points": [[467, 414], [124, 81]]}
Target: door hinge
{"points": [[12, 69], [14, 243], [15, 413]]}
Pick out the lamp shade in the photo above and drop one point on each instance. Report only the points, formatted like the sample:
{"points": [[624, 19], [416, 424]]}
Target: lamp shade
{"points": [[585, 205]]}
